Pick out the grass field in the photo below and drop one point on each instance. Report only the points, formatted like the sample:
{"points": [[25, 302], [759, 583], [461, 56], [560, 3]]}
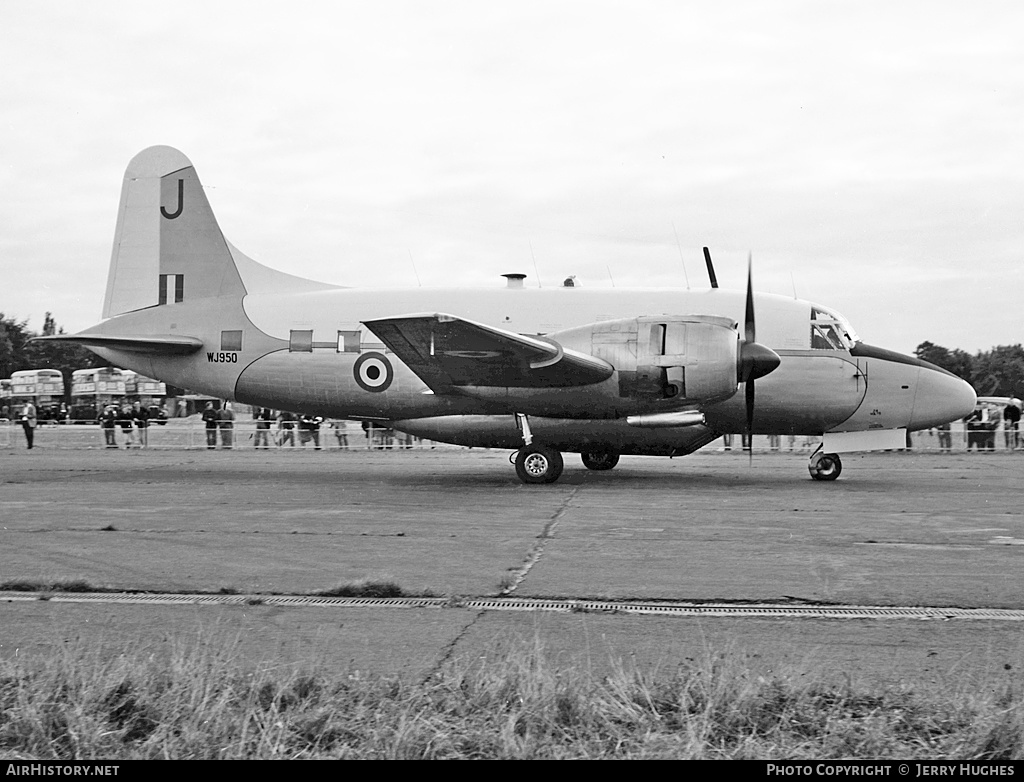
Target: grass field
{"points": [[204, 702]]}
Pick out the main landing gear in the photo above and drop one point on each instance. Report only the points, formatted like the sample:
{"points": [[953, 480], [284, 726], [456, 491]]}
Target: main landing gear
{"points": [[599, 460], [824, 466], [536, 463], [540, 464]]}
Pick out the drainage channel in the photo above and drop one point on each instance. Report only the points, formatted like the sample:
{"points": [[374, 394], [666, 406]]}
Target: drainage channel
{"points": [[537, 604]]}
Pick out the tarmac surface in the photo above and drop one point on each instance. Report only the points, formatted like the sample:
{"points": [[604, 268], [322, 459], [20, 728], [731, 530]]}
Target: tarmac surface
{"points": [[897, 529]]}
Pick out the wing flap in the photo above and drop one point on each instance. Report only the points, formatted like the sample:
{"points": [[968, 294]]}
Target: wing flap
{"points": [[448, 352]]}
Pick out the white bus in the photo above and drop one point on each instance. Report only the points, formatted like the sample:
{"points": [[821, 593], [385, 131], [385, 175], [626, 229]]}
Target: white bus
{"points": [[94, 389], [43, 387]]}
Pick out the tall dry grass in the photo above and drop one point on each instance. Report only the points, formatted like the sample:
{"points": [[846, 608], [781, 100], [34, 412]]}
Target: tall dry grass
{"points": [[202, 702]]}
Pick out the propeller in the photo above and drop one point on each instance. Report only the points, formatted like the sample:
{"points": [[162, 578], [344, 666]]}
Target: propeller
{"points": [[755, 360]]}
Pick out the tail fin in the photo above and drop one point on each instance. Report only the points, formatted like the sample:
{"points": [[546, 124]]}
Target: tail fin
{"points": [[167, 244]]}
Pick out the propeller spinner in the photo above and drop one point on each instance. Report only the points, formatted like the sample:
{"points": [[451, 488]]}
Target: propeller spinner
{"points": [[755, 360]]}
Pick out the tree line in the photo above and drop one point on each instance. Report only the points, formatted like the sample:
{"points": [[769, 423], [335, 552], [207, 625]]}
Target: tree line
{"points": [[995, 372], [17, 352]]}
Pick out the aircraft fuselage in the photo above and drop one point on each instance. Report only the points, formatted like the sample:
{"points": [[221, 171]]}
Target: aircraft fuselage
{"points": [[299, 351]]}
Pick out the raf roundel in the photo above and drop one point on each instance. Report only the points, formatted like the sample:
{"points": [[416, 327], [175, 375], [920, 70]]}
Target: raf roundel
{"points": [[373, 372]]}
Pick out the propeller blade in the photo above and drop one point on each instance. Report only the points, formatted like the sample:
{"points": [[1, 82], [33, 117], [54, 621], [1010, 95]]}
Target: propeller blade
{"points": [[750, 419], [750, 333], [755, 360]]}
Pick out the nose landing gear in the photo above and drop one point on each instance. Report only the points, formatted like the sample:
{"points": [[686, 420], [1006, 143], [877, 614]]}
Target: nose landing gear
{"points": [[824, 466]]}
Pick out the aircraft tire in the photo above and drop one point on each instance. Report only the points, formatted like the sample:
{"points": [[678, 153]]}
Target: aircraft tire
{"points": [[827, 468], [538, 464], [599, 460]]}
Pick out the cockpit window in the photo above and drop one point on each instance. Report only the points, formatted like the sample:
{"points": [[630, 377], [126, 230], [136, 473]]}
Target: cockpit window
{"points": [[830, 330]]}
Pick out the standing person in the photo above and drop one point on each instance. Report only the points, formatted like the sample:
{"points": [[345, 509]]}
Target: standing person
{"points": [[1011, 424], [309, 429], [995, 423], [227, 426], [263, 418], [108, 422], [972, 424], [945, 437], [317, 422], [124, 420], [340, 427], [28, 422], [286, 423], [210, 416], [141, 417]]}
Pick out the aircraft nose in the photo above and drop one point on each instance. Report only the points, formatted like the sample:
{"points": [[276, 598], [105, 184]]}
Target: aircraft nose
{"points": [[941, 398]]}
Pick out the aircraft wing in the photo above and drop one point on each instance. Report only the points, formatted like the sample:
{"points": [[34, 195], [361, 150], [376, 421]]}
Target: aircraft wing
{"points": [[170, 345], [447, 352]]}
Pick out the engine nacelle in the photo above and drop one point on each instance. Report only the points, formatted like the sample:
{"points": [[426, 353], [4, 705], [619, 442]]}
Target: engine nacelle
{"points": [[688, 358]]}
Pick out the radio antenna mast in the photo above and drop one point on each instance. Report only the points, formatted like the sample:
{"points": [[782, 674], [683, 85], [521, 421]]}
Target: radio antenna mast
{"points": [[683, 262], [535, 269]]}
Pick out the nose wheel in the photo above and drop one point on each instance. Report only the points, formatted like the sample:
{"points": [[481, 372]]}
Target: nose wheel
{"points": [[825, 466]]}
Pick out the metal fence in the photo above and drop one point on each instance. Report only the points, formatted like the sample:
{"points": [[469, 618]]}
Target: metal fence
{"points": [[191, 433], [955, 439]]}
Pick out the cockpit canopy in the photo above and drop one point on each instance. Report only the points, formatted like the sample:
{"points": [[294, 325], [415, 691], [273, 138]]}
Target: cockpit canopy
{"points": [[830, 330]]}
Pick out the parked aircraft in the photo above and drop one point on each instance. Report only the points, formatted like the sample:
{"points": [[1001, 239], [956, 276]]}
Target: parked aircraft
{"points": [[601, 372]]}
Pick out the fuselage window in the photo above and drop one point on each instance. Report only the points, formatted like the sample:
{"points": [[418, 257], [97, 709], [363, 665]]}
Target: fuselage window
{"points": [[348, 341], [231, 340], [824, 336], [830, 331], [300, 341]]}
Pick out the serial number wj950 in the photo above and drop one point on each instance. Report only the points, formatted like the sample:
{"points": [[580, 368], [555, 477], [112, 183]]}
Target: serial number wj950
{"points": [[222, 358]]}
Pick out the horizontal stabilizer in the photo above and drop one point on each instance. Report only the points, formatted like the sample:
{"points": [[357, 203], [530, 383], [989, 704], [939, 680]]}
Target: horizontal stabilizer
{"points": [[170, 345], [446, 352]]}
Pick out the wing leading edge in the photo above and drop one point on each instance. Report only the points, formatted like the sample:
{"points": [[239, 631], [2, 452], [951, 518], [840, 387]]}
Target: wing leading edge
{"points": [[447, 352]]}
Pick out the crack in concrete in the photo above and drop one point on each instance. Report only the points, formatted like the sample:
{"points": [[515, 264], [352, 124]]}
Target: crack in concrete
{"points": [[538, 548], [449, 650]]}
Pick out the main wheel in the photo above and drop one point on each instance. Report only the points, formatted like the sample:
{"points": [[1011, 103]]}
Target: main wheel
{"points": [[538, 464], [826, 468], [599, 460]]}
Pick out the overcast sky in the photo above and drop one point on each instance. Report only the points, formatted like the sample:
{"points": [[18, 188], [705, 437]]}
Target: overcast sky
{"points": [[870, 155]]}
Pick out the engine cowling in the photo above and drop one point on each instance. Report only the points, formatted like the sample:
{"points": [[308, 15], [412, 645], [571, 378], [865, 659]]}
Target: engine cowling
{"points": [[685, 359]]}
